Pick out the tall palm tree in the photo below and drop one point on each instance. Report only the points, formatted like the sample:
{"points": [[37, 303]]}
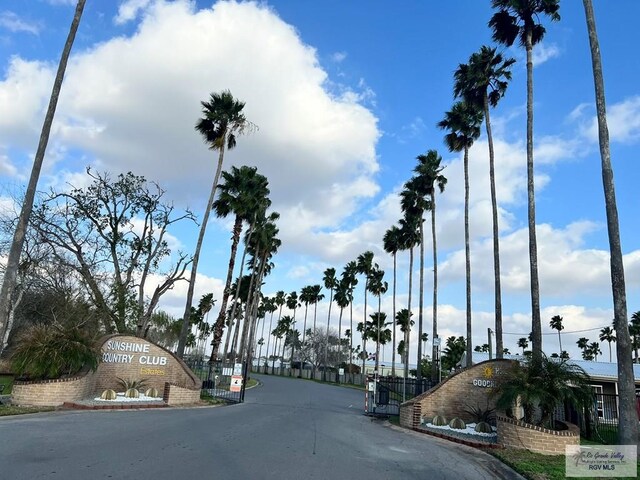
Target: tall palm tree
{"points": [[594, 349], [378, 287], [292, 304], [608, 335], [330, 283], [410, 237], [403, 320], [365, 265], [463, 124], [342, 300], [315, 296], [628, 423], [518, 19], [222, 119], [391, 244], [305, 297], [244, 193], [483, 82], [11, 270], [272, 307], [414, 203], [634, 333], [583, 344], [349, 277], [556, 324], [429, 170]]}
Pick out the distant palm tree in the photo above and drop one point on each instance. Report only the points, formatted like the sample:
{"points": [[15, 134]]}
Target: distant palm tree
{"points": [[365, 266], [222, 120], [315, 296], [391, 242], [305, 297], [379, 333], [330, 283], [292, 304], [403, 320], [634, 332], [463, 124], [556, 324], [628, 420], [425, 339], [594, 349], [483, 82], [409, 238], [349, 277], [583, 344], [342, 300], [378, 287], [608, 335], [15, 251], [518, 19], [523, 343]]}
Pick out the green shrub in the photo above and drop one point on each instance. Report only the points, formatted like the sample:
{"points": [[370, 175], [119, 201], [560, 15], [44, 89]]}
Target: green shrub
{"points": [[52, 351]]}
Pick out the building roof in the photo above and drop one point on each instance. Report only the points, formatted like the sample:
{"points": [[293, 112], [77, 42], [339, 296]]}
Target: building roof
{"points": [[596, 370]]}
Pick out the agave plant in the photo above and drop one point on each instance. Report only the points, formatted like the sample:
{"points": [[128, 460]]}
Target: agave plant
{"points": [[132, 383], [480, 414]]}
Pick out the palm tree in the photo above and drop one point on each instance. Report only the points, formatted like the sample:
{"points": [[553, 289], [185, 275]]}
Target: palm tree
{"points": [[403, 320], [222, 120], [523, 343], [342, 300], [424, 338], [378, 287], [556, 324], [628, 423], [330, 283], [271, 307], [364, 266], [634, 332], [244, 193], [349, 277], [11, 270], [430, 172], [292, 304], [518, 19], [379, 333], [315, 296], [594, 349], [483, 82], [463, 124], [305, 297], [608, 335], [391, 242], [409, 238], [583, 344]]}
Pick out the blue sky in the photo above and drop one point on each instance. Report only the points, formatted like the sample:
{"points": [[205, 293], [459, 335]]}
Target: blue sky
{"points": [[345, 95]]}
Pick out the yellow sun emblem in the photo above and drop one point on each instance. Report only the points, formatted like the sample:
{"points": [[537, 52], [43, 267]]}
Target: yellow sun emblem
{"points": [[488, 372]]}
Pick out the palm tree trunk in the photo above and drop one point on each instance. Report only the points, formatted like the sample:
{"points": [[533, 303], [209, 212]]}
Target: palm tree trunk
{"points": [[351, 337], [467, 254], [393, 321], [628, 421], [364, 325], [266, 361], [196, 254], [218, 326], [11, 271], [560, 342], [536, 325], [496, 234], [340, 335], [434, 371], [407, 333], [420, 304], [248, 308], [378, 328], [230, 324], [326, 345]]}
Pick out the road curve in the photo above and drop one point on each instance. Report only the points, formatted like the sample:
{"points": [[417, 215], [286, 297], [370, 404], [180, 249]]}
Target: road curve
{"points": [[288, 429]]}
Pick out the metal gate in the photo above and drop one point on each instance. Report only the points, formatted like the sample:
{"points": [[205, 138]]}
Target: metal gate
{"points": [[380, 400], [225, 381]]}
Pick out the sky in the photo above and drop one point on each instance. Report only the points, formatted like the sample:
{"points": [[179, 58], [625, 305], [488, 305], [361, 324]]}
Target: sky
{"points": [[344, 96]]}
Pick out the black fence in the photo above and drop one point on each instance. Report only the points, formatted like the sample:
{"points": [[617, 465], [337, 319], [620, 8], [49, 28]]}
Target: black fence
{"points": [[404, 389], [599, 423], [224, 381]]}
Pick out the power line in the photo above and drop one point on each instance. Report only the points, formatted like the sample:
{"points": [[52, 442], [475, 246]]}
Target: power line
{"points": [[563, 331]]}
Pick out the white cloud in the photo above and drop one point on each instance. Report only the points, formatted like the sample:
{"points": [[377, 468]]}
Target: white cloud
{"points": [[62, 2], [543, 52], [12, 22], [623, 121], [339, 57], [129, 10], [317, 149]]}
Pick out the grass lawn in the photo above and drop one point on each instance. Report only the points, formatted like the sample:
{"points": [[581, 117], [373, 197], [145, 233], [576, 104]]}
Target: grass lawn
{"points": [[14, 410], [534, 466], [7, 381]]}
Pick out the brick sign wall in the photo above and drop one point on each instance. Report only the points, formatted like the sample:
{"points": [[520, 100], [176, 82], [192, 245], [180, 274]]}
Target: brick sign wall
{"points": [[134, 358], [466, 389]]}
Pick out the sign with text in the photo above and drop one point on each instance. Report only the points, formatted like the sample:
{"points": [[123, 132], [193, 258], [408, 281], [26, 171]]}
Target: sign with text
{"points": [[601, 461], [236, 383]]}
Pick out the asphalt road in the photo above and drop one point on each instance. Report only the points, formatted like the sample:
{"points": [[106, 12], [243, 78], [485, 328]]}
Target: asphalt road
{"points": [[286, 429]]}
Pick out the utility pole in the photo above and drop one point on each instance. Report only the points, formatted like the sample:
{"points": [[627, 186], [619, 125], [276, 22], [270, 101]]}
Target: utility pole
{"points": [[489, 332]]}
